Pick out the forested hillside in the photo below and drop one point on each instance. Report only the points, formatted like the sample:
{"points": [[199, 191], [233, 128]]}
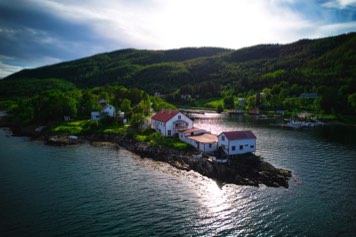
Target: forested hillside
{"points": [[324, 66]]}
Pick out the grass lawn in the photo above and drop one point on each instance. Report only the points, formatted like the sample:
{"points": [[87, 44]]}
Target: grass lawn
{"points": [[156, 139], [215, 103], [73, 128], [81, 127]]}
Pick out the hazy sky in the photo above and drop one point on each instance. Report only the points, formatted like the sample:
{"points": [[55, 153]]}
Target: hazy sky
{"points": [[40, 32]]}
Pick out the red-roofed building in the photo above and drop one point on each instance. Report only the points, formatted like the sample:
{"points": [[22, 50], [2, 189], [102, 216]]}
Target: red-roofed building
{"points": [[237, 142], [170, 122]]}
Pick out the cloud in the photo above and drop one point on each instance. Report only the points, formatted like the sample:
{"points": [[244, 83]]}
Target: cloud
{"points": [[38, 30], [340, 4], [181, 23], [336, 28], [6, 69]]}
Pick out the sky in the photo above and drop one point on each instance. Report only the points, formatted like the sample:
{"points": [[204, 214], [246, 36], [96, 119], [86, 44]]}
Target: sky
{"points": [[34, 33]]}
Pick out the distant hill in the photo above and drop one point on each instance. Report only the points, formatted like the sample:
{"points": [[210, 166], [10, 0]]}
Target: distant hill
{"points": [[329, 62]]}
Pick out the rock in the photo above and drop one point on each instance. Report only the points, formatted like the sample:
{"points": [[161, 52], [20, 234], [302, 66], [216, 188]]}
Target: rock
{"points": [[59, 140]]}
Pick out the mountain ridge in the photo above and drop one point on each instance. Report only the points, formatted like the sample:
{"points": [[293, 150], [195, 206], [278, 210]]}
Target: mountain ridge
{"points": [[329, 61]]}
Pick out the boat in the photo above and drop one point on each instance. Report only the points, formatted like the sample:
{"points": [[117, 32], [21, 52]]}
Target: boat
{"points": [[236, 112]]}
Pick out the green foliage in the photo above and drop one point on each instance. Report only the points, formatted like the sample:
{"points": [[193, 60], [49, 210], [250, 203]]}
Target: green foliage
{"points": [[158, 104], [156, 139], [202, 73], [53, 105], [229, 102], [7, 105], [220, 108], [126, 105], [215, 103], [274, 74], [78, 127], [26, 87], [352, 101], [137, 120], [113, 130]]}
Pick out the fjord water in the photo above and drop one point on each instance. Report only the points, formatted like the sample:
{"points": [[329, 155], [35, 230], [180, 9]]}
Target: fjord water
{"points": [[96, 191]]}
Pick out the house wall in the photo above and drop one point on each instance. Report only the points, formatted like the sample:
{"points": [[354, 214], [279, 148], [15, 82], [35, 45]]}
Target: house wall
{"points": [[95, 116], [184, 136], [204, 147], [170, 125], [234, 147], [158, 126], [167, 129], [110, 110], [207, 148]]}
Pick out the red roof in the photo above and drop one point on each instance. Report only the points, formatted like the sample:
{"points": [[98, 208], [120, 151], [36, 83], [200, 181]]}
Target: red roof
{"points": [[165, 115], [239, 135]]}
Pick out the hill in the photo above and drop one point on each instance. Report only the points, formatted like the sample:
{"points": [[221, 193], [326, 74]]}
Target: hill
{"points": [[323, 66]]}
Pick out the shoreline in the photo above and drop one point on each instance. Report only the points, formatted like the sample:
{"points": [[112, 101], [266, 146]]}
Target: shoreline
{"points": [[248, 169]]}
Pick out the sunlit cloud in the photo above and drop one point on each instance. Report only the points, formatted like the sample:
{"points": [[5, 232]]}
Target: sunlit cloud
{"points": [[183, 23]]}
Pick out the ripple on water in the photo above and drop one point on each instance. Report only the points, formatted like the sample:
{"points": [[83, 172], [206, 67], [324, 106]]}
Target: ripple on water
{"points": [[115, 193]]}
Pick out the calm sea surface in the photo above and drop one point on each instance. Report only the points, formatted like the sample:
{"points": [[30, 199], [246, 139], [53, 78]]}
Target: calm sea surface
{"points": [[95, 191]]}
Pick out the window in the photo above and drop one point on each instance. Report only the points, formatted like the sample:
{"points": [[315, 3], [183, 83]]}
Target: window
{"points": [[169, 133], [210, 145], [252, 146], [233, 148], [241, 147], [223, 138], [179, 117]]}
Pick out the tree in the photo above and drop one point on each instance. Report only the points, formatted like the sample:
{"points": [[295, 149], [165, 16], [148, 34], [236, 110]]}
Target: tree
{"points": [[24, 112], [283, 94], [220, 108], [137, 120], [251, 101], [126, 105], [88, 103], [352, 101], [229, 102]]}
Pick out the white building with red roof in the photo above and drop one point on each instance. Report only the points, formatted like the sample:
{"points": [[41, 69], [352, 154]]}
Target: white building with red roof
{"points": [[237, 142], [170, 122]]}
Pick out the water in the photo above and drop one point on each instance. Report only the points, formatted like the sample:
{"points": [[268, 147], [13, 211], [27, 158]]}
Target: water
{"points": [[96, 191]]}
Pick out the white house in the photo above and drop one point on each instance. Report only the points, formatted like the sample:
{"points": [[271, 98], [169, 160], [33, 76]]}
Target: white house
{"points": [[237, 142], [107, 109], [95, 116], [206, 142], [183, 135], [170, 122], [199, 138]]}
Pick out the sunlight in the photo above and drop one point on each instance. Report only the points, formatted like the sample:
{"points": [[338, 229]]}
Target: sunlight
{"points": [[229, 23]]}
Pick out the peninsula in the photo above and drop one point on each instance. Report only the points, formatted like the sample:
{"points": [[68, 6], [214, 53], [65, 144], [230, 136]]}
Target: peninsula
{"points": [[245, 169]]}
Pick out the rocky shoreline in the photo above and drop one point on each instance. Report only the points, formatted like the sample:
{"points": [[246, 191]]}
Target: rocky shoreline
{"points": [[249, 169], [246, 170]]}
